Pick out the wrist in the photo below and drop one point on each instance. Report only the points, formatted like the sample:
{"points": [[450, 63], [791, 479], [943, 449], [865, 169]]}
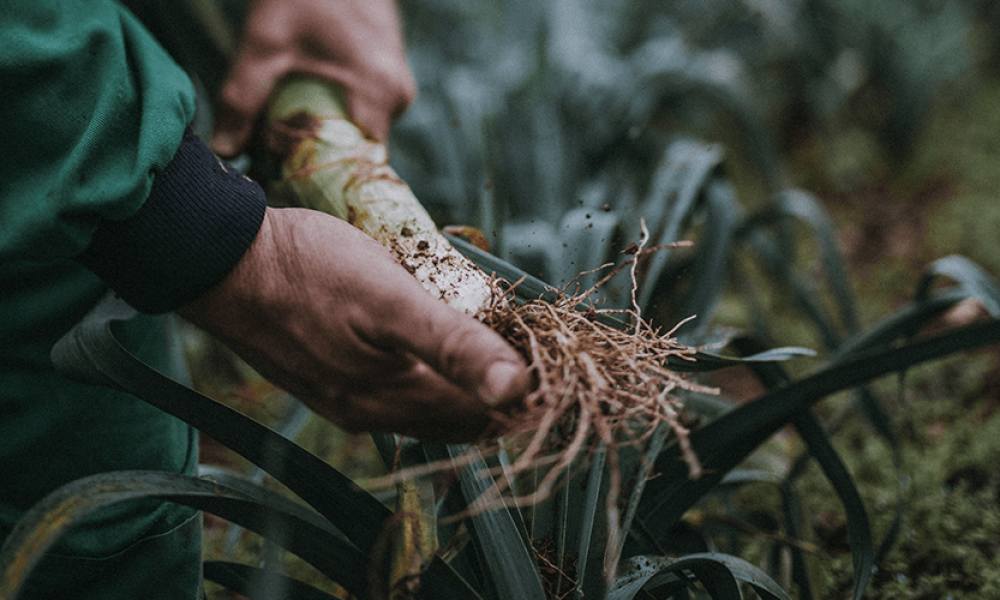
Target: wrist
{"points": [[243, 290]]}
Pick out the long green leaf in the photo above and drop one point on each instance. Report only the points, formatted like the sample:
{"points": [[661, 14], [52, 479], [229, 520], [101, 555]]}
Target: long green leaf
{"points": [[236, 482], [663, 80], [304, 533], [743, 571], [791, 506], [638, 571], [820, 448], [240, 579], [90, 353], [725, 442], [636, 468], [712, 259], [587, 238], [673, 200], [588, 526], [858, 525], [500, 537], [777, 261], [974, 280], [792, 509], [807, 208], [567, 517], [901, 324], [720, 573]]}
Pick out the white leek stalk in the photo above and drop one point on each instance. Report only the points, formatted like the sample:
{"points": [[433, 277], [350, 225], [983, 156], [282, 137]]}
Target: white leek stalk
{"points": [[330, 166]]}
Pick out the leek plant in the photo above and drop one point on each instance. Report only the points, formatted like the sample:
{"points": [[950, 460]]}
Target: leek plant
{"points": [[577, 541], [553, 130], [555, 548]]}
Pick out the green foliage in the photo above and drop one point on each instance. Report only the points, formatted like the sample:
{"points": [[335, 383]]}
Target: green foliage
{"points": [[339, 531], [560, 129], [947, 544]]}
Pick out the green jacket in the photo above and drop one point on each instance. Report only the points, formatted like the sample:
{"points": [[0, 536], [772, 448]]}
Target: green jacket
{"points": [[94, 118]]}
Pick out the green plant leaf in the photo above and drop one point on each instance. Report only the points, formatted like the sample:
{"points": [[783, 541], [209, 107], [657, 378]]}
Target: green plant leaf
{"points": [[714, 361], [587, 238], [587, 528], [711, 261], [808, 209], [792, 510], [720, 573], [976, 282], [902, 323], [777, 260], [500, 538], [299, 530], [669, 76], [821, 449], [723, 443], [529, 288], [674, 197], [635, 469], [238, 483], [638, 571], [563, 524], [90, 353], [241, 578], [858, 525]]}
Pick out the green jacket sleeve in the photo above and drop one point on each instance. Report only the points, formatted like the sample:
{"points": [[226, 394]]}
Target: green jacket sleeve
{"points": [[98, 164], [92, 108]]}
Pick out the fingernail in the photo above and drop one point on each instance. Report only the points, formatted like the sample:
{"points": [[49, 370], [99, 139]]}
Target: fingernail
{"points": [[499, 380]]}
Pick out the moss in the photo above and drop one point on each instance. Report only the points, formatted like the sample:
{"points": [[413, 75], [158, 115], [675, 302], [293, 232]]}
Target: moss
{"points": [[962, 139], [950, 539], [969, 226]]}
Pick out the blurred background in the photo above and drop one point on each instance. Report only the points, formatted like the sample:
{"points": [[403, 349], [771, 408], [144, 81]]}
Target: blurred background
{"points": [[862, 138], [530, 113]]}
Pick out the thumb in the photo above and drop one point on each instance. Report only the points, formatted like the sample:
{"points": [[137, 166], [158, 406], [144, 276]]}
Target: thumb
{"points": [[464, 351]]}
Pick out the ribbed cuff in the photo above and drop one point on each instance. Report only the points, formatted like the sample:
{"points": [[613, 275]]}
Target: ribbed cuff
{"points": [[199, 219]]}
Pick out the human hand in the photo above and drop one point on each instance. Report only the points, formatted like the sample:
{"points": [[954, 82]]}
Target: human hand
{"points": [[355, 43], [323, 311]]}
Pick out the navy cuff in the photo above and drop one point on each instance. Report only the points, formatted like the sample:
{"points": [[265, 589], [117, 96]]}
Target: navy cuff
{"points": [[199, 220]]}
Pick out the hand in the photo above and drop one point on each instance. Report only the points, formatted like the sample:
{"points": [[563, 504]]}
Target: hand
{"points": [[323, 311], [356, 43]]}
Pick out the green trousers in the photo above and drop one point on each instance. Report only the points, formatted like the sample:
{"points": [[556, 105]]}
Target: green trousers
{"points": [[53, 431]]}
